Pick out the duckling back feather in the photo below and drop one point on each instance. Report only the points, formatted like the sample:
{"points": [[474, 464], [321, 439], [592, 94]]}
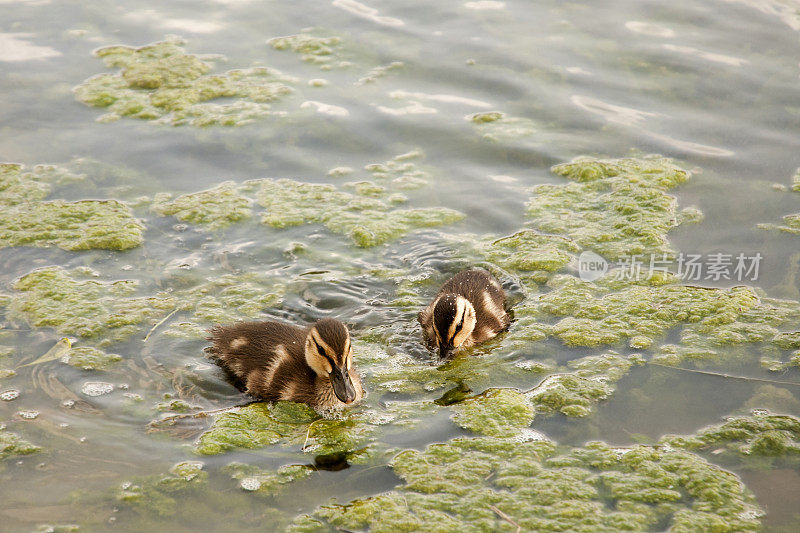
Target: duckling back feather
{"points": [[266, 359]]}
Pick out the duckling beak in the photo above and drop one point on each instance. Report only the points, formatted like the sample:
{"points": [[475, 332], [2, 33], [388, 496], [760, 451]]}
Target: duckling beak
{"points": [[445, 351], [343, 385]]}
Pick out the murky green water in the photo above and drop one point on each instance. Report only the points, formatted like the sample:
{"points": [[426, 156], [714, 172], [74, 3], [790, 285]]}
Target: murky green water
{"points": [[452, 111]]}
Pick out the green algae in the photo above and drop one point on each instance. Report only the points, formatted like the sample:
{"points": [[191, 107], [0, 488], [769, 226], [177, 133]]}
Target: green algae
{"points": [[251, 426], [319, 51], [489, 484], [109, 311], [403, 373], [58, 528], [12, 445], [105, 311], [373, 227], [7, 373], [616, 207], [595, 314], [216, 208], [787, 340], [81, 225], [17, 186], [379, 72], [366, 221], [266, 482], [183, 495], [529, 251], [592, 380], [157, 494], [496, 413], [27, 220], [399, 172], [175, 406], [499, 127], [162, 82], [791, 223], [88, 358], [258, 425], [484, 118], [762, 440], [772, 398], [225, 299]]}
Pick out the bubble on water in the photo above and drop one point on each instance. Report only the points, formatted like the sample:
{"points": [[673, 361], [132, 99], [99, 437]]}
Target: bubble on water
{"points": [[68, 404], [530, 435], [619, 452], [380, 419], [751, 514], [29, 414], [96, 388], [8, 395], [250, 483]]}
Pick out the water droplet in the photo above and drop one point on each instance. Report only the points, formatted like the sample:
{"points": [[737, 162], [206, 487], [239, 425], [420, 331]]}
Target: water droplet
{"points": [[96, 388]]}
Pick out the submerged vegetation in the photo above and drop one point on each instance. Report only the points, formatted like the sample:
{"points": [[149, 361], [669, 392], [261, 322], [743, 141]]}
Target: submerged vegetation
{"points": [[11, 445], [105, 311], [791, 223], [26, 219]]}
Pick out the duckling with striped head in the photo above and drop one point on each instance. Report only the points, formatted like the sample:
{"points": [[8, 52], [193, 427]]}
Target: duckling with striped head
{"points": [[468, 309], [277, 361]]}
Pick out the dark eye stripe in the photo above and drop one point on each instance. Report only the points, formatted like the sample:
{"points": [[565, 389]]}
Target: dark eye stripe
{"points": [[459, 325], [321, 350], [324, 354]]}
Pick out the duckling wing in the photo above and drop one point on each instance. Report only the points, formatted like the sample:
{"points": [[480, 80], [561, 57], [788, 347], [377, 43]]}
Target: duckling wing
{"points": [[252, 353]]}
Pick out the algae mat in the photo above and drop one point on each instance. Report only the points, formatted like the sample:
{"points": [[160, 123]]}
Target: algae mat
{"points": [[286, 162]]}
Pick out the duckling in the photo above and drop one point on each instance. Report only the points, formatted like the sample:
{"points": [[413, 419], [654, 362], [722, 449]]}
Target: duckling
{"points": [[469, 309], [276, 361]]}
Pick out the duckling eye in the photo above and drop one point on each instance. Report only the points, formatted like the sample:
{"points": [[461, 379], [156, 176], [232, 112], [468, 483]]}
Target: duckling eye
{"points": [[460, 323]]}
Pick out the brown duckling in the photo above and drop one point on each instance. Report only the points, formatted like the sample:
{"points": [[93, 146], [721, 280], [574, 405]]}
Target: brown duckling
{"points": [[468, 309], [276, 361]]}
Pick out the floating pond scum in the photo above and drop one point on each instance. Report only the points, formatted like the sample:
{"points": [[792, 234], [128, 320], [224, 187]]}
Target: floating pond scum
{"points": [[294, 162], [504, 474]]}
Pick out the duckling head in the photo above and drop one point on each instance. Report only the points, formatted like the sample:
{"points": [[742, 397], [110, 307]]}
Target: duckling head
{"points": [[454, 321], [329, 354]]}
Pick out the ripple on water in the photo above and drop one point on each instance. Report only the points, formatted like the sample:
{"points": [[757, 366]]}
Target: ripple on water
{"points": [[96, 388]]}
